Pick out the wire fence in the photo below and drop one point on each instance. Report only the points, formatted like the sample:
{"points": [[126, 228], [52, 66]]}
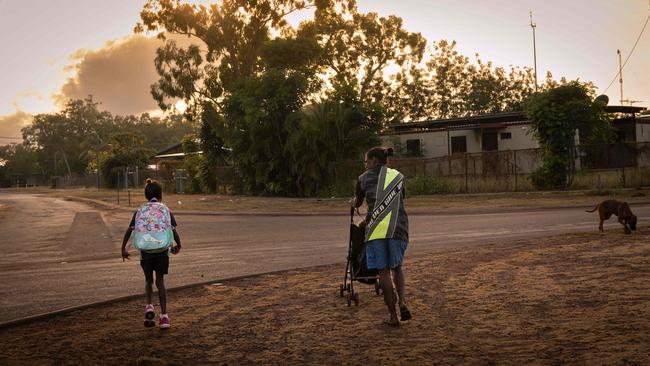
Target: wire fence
{"points": [[621, 165], [598, 167]]}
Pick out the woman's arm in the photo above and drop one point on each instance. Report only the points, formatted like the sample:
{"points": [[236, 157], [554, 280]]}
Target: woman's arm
{"points": [[359, 195]]}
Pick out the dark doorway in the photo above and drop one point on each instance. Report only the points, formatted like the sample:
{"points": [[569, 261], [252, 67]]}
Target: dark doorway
{"points": [[490, 141], [413, 148], [458, 144]]}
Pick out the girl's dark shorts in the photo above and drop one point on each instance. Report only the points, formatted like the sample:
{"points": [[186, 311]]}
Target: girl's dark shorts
{"points": [[158, 262]]}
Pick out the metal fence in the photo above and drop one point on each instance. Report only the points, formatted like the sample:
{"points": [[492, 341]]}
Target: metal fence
{"points": [[598, 167]]}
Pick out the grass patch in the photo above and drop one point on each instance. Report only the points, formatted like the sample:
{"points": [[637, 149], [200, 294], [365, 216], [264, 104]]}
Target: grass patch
{"points": [[427, 185]]}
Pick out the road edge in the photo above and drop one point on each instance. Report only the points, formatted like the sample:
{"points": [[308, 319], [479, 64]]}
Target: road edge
{"points": [[64, 311], [411, 212]]}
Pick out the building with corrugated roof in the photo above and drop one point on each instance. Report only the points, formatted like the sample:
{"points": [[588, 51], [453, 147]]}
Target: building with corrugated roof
{"points": [[496, 132]]}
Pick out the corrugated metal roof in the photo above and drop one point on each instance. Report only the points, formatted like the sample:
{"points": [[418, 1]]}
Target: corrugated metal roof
{"points": [[494, 120], [176, 155]]}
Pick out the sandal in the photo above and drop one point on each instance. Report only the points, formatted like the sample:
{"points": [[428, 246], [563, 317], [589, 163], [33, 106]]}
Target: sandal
{"points": [[404, 314]]}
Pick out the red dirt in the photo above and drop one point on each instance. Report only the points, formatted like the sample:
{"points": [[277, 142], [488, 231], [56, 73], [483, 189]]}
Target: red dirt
{"points": [[570, 299]]}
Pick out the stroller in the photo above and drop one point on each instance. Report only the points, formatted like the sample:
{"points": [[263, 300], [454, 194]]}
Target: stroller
{"points": [[356, 268]]}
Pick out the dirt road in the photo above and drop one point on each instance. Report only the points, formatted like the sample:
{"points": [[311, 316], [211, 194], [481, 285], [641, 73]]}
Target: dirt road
{"points": [[62, 254], [579, 299]]}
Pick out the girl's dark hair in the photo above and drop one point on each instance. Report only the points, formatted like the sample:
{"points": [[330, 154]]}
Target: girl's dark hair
{"points": [[152, 189], [381, 153]]}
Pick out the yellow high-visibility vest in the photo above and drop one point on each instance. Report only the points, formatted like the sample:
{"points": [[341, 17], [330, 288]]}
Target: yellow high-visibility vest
{"points": [[384, 216]]}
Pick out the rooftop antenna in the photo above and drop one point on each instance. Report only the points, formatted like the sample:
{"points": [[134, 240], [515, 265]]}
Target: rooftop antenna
{"points": [[533, 26], [631, 102]]}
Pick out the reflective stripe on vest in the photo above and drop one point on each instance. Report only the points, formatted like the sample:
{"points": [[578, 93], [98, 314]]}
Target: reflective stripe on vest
{"points": [[383, 219]]}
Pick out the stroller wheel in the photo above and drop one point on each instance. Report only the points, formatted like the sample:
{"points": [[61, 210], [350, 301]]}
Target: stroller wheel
{"points": [[356, 299], [342, 290], [348, 297], [377, 288]]}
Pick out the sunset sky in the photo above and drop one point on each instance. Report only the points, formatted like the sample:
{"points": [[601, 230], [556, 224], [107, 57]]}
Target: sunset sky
{"points": [[54, 50]]}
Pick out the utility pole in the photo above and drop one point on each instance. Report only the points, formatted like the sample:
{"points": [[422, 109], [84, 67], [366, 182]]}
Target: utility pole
{"points": [[533, 26], [620, 73], [97, 158]]}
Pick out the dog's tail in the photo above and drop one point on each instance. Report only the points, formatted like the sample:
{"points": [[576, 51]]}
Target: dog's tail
{"points": [[594, 210]]}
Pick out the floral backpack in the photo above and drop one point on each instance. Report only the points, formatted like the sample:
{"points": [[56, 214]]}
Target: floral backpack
{"points": [[153, 228]]}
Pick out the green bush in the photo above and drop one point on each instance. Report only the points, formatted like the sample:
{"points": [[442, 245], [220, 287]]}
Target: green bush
{"points": [[191, 165], [427, 185], [552, 175]]}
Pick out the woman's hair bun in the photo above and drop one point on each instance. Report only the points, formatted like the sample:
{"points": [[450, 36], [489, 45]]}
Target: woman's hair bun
{"points": [[389, 151], [148, 181]]}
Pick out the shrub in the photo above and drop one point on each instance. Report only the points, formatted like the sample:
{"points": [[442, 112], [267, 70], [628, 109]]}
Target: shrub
{"points": [[427, 185]]}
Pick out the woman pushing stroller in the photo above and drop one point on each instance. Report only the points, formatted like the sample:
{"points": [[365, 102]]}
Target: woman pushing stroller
{"points": [[386, 233]]}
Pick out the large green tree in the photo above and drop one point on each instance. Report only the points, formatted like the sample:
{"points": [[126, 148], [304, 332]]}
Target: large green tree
{"points": [[261, 117], [62, 140], [18, 160], [251, 75], [68, 141], [338, 133], [450, 84], [358, 48], [227, 36], [256, 83], [559, 116], [125, 149]]}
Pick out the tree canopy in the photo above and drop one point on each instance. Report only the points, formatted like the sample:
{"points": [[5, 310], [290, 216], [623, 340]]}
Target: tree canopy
{"points": [[67, 142], [17, 160], [559, 115], [291, 107], [265, 88]]}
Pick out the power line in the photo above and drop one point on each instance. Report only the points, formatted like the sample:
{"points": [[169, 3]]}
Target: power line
{"points": [[630, 54], [11, 138]]}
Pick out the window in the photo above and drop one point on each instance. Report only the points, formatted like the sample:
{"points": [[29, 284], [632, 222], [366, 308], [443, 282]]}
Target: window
{"points": [[413, 148], [458, 144], [506, 135]]}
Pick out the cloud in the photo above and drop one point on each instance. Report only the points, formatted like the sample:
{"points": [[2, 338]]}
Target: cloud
{"points": [[10, 126], [29, 93], [119, 75]]}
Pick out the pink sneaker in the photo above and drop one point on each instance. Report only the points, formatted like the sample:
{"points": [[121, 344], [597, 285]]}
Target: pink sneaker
{"points": [[149, 315], [164, 321]]}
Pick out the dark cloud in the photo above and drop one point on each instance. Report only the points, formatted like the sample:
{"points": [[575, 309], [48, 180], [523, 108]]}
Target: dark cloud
{"points": [[119, 75], [10, 126]]}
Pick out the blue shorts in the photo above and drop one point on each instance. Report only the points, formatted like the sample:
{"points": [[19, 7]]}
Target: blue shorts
{"points": [[385, 253]]}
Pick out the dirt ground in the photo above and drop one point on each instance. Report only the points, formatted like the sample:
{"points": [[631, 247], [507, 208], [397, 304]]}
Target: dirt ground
{"points": [[571, 299], [424, 203]]}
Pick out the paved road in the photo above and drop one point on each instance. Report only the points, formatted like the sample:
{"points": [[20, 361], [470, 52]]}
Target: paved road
{"points": [[58, 254]]}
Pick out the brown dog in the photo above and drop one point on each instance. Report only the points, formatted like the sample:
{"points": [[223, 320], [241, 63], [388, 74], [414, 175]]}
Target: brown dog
{"points": [[608, 208]]}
